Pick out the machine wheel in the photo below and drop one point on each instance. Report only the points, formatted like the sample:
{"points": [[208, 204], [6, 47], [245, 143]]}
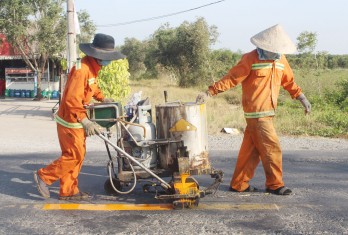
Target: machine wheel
{"points": [[195, 204], [108, 187], [178, 205], [186, 204]]}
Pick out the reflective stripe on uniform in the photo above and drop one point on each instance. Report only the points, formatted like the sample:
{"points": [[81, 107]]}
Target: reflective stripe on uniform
{"points": [[266, 66], [261, 66], [62, 122], [280, 66], [91, 81], [78, 63], [259, 114]]}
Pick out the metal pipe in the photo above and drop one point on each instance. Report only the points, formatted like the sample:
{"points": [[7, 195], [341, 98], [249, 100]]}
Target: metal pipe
{"points": [[131, 121], [164, 184], [133, 124], [130, 135]]}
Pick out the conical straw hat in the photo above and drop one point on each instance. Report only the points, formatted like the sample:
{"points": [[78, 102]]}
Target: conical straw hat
{"points": [[274, 39]]}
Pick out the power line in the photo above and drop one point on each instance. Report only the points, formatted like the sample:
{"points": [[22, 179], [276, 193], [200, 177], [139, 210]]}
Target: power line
{"points": [[158, 17]]}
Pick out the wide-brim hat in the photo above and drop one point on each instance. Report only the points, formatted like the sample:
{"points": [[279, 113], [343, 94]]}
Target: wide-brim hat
{"points": [[274, 39], [102, 47]]}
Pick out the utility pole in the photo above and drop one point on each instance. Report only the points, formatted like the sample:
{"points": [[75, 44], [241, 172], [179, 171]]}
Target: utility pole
{"points": [[71, 56], [71, 44]]}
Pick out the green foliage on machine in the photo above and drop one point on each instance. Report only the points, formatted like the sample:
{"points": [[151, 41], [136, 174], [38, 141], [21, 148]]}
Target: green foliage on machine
{"points": [[114, 80]]}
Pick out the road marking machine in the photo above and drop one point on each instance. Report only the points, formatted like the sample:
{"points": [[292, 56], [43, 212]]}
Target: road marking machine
{"points": [[175, 148]]}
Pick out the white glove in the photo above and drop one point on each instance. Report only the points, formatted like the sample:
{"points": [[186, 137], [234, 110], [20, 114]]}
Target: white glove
{"points": [[302, 98], [91, 128], [202, 97], [108, 100]]}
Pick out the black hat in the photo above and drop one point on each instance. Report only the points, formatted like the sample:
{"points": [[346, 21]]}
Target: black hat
{"points": [[102, 47]]}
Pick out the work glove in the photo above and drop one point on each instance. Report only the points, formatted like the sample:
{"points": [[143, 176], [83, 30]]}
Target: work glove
{"points": [[202, 97], [108, 100], [91, 128], [302, 98]]}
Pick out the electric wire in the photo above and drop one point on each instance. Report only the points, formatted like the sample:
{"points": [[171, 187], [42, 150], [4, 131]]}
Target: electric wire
{"points": [[158, 17]]}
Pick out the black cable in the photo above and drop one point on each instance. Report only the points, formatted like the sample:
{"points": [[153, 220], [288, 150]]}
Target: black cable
{"points": [[158, 17]]}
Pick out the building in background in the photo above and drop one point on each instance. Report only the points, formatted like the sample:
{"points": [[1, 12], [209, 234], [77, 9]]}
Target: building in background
{"points": [[17, 79]]}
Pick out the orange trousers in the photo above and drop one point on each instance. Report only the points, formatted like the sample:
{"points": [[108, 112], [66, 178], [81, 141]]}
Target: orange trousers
{"points": [[260, 142], [67, 167]]}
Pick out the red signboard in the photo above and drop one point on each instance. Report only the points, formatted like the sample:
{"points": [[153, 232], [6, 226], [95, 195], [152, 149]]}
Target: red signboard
{"points": [[17, 71], [5, 47]]}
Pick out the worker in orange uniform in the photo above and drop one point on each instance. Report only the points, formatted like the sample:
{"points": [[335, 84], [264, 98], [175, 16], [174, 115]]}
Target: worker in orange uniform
{"points": [[73, 124], [261, 72]]}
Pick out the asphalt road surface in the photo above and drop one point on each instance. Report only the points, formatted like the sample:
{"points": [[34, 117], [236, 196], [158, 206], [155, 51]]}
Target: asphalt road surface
{"points": [[316, 169]]}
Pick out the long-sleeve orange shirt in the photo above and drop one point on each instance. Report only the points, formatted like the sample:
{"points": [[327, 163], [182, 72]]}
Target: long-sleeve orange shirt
{"points": [[261, 81], [81, 87]]}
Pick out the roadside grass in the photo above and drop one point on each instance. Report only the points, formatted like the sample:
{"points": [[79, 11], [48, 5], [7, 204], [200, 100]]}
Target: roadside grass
{"points": [[327, 119], [224, 110]]}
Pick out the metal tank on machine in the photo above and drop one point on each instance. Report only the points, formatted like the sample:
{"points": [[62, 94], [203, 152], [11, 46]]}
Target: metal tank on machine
{"points": [[186, 122], [142, 129]]}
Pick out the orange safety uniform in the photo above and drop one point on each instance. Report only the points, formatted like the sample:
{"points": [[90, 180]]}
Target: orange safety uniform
{"points": [[261, 81], [80, 88]]}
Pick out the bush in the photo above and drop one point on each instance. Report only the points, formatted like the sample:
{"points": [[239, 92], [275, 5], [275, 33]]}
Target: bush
{"points": [[113, 80], [339, 97], [233, 96]]}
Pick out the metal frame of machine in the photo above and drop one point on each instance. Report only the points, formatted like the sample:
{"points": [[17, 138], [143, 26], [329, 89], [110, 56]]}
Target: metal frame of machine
{"points": [[137, 160]]}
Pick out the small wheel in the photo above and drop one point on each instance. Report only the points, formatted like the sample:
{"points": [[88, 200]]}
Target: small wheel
{"points": [[108, 187], [178, 205], [196, 202]]}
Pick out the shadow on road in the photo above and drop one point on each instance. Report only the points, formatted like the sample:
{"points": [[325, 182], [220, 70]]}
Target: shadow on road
{"points": [[18, 181]]}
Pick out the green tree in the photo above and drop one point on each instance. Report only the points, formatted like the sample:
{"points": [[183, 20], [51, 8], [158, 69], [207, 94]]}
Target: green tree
{"points": [[136, 53], [36, 28], [306, 43], [185, 50], [342, 61], [332, 62], [87, 26], [151, 60], [322, 59], [221, 61]]}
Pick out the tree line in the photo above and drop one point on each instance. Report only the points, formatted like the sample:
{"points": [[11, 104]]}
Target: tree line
{"points": [[184, 53], [321, 60]]}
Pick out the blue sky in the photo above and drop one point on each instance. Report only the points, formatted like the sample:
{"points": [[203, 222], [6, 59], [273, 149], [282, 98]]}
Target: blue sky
{"points": [[236, 20]]}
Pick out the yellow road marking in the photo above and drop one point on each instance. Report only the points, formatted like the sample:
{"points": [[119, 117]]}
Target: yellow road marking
{"points": [[153, 207], [107, 207], [129, 207]]}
